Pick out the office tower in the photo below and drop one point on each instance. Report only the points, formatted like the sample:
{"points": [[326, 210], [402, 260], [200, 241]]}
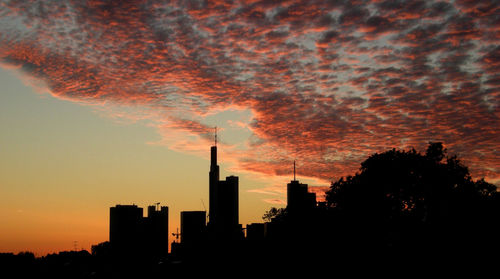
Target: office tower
{"points": [[213, 184], [132, 235], [299, 200], [223, 204], [227, 202], [156, 231], [125, 228]]}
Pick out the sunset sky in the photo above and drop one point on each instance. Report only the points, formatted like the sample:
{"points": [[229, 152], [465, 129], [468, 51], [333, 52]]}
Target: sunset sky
{"points": [[114, 102]]}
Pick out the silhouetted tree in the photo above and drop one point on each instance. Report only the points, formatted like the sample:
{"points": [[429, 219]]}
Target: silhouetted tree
{"points": [[435, 151], [405, 198], [275, 214]]}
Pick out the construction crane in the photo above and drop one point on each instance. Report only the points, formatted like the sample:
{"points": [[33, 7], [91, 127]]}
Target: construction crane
{"points": [[203, 203], [157, 206], [177, 234]]}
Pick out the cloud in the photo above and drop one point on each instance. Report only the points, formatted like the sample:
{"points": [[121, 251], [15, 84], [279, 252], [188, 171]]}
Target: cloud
{"points": [[326, 83], [275, 201]]}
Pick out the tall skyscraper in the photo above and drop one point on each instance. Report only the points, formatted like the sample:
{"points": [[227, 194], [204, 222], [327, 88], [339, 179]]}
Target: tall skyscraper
{"points": [[132, 235], [156, 231], [213, 184], [125, 228], [299, 199], [223, 204]]}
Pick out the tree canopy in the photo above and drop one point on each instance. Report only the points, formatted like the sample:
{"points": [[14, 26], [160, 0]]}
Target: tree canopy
{"points": [[399, 184], [406, 198]]}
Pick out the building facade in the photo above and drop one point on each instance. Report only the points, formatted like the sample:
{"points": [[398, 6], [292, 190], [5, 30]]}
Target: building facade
{"points": [[223, 205], [299, 199], [133, 235]]}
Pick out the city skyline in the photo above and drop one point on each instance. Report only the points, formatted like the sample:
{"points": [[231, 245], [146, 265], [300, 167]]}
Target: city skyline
{"points": [[249, 213], [106, 103]]}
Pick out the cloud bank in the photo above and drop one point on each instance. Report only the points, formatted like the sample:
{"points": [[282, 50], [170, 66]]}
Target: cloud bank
{"points": [[326, 82]]}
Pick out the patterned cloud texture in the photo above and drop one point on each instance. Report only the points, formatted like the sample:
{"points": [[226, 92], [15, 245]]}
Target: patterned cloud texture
{"points": [[326, 82]]}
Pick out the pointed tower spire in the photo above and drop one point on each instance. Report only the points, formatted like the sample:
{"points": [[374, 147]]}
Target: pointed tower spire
{"points": [[213, 180], [213, 151], [215, 135], [293, 170]]}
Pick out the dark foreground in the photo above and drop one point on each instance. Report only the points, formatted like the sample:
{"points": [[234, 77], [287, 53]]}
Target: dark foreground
{"points": [[254, 260]]}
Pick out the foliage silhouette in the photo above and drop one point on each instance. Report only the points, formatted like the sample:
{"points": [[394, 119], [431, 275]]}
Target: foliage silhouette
{"points": [[420, 202], [275, 214]]}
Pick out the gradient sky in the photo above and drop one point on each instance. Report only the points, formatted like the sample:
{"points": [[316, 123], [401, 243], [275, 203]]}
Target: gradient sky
{"points": [[105, 102]]}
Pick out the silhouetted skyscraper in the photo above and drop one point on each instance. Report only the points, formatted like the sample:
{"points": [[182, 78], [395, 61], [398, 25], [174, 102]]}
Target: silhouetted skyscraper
{"points": [[125, 228], [227, 202], [298, 197], [156, 231], [213, 184], [223, 204], [130, 234]]}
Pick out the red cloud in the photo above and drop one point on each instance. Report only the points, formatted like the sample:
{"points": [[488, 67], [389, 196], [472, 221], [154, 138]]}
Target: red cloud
{"points": [[327, 84]]}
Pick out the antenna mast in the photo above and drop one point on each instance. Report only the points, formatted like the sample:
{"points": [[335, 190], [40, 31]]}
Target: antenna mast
{"points": [[293, 170], [215, 135]]}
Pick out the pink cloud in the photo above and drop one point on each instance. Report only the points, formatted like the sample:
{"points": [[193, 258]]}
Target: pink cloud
{"points": [[326, 83]]}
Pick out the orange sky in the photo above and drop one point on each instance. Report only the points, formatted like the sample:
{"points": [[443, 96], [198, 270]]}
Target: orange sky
{"points": [[115, 102]]}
